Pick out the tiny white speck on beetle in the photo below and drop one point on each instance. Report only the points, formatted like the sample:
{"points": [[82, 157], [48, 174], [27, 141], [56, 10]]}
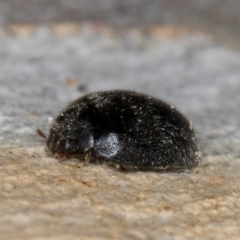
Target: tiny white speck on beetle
{"points": [[50, 121], [190, 124], [67, 145]]}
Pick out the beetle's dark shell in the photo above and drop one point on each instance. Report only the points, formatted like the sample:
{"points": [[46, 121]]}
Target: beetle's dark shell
{"points": [[125, 127]]}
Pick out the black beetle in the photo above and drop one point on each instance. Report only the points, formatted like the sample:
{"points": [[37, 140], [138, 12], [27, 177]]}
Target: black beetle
{"points": [[127, 128]]}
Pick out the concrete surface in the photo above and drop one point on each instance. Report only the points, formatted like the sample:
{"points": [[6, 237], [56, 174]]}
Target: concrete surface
{"points": [[43, 68]]}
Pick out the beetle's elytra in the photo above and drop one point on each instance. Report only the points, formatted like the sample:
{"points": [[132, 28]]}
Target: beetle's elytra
{"points": [[126, 128]]}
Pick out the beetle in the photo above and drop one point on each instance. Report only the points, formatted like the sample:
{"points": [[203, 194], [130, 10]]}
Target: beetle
{"points": [[127, 128]]}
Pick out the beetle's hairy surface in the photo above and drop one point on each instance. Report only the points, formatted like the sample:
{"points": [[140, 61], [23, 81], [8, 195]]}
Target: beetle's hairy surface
{"points": [[125, 127]]}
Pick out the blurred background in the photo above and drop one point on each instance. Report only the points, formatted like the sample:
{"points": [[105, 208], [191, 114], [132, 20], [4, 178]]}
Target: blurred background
{"points": [[218, 16], [183, 51]]}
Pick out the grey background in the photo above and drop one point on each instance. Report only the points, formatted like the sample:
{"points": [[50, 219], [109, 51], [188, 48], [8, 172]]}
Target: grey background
{"points": [[218, 16], [198, 77], [196, 74]]}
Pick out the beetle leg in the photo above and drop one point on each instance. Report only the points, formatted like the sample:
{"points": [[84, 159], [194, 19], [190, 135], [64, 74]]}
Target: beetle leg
{"points": [[87, 158], [61, 156]]}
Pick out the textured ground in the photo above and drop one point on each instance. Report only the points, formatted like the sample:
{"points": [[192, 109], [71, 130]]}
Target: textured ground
{"points": [[43, 68]]}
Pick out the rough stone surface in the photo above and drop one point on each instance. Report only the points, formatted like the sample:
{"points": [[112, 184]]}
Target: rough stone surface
{"points": [[42, 69]]}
